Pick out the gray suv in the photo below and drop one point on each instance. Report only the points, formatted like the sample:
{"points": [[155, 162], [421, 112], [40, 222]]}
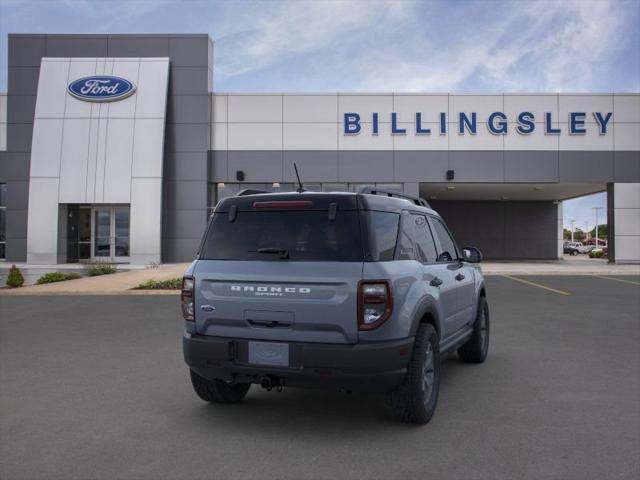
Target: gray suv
{"points": [[352, 291]]}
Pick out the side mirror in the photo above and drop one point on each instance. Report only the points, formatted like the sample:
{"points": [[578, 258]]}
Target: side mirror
{"points": [[471, 255]]}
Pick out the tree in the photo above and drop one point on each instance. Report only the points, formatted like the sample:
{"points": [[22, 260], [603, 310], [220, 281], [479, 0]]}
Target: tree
{"points": [[566, 234], [578, 235], [603, 231]]}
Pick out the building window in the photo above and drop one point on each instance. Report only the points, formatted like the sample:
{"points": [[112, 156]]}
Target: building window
{"points": [[219, 191], [3, 224]]}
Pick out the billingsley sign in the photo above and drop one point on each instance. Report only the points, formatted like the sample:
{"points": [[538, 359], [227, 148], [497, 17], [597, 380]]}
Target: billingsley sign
{"points": [[497, 123]]}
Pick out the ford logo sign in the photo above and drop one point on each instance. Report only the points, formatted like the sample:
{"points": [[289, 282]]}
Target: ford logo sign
{"points": [[101, 88]]}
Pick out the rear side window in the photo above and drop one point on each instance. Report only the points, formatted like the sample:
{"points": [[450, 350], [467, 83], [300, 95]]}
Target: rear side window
{"points": [[448, 251], [382, 233], [416, 242], [300, 235]]}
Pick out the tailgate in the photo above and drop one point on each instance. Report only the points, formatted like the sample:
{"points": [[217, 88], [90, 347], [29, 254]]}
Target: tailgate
{"points": [[280, 301]]}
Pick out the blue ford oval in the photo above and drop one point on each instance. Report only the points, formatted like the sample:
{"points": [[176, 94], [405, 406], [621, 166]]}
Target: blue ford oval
{"points": [[101, 88]]}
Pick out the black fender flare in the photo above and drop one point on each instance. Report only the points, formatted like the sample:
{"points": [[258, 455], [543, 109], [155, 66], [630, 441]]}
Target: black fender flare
{"points": [[427, 307]]}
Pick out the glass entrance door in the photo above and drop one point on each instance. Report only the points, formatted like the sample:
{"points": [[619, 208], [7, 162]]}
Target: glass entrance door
{"points": [[111, 234]]}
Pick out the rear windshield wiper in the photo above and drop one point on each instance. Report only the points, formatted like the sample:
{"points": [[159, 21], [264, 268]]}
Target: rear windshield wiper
{"points": [[283, 252]]}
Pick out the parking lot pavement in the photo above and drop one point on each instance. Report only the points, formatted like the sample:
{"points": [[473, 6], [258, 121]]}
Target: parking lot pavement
{"points": [[95, 387]]}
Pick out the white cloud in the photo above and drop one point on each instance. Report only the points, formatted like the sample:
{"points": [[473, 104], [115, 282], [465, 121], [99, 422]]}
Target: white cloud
{"points": [[291, 29], [558, 49], [533, 46]]}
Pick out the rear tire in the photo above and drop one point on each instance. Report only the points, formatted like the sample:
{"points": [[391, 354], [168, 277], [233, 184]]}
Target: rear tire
{"points": [[477, 347], [415, 400], [218, 391]]}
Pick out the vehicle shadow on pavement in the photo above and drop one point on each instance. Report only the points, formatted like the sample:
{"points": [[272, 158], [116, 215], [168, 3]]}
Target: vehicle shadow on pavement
{"points": [[310, 412]]}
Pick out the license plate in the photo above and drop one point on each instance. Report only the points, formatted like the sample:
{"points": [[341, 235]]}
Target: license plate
{"points": [[269, 353]]}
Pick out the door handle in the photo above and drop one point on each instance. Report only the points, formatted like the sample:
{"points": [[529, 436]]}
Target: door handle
{"points": [[459, 277], [436, 282]]}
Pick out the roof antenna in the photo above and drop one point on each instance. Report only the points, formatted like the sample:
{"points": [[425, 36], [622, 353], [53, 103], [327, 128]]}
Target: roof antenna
{"points": [[300, 187]]}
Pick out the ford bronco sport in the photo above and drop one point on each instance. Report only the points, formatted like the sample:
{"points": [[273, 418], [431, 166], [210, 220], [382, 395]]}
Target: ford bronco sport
{"points": [[352, 291]]}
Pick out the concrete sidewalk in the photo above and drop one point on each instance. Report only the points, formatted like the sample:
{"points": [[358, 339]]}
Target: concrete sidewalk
{"points": [[581, 265], [124, 282], [115, 283]]}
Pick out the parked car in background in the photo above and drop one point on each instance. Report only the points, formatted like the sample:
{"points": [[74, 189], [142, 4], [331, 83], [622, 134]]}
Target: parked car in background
{"points": [[572, 248]]}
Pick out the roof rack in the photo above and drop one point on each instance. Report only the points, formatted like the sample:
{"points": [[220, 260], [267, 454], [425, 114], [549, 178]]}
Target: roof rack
{"points": [[249, 191], [390, 193]]}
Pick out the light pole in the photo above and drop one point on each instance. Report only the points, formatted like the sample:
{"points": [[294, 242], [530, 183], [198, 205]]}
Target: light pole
{"points": [[572, 228], [586, 231], [596, 209]]}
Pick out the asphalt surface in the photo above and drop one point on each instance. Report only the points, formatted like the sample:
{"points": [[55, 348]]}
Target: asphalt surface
{"points": [[96, 388]]}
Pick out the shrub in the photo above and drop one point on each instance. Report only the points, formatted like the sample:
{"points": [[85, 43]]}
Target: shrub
{"points": [[15, 278], [52, 277], [170, 284], [596, 254], [100, 269]]}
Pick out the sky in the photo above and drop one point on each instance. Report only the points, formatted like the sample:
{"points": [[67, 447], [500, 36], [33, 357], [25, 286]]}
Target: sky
{"points": [[378, 45]]}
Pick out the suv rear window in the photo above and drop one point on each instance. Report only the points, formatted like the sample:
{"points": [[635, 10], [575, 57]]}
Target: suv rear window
{"points": [[302, 235]]}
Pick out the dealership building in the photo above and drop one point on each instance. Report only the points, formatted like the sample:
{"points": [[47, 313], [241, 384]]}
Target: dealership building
{"points": [[117, 148]]}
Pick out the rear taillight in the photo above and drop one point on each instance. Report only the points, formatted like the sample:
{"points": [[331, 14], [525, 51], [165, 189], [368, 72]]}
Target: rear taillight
{"points": [[375, 303], [186, 298]]}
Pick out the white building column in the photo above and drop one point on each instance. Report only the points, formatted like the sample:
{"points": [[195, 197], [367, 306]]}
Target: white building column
{"points": [[626, 222]]}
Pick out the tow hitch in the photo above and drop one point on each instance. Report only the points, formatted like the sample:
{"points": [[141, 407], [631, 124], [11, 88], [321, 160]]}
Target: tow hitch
{"points": [[271, 382]]}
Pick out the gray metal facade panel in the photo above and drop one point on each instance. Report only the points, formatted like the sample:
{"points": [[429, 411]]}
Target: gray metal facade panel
{"points": [[531, 166], [19, 138], [16, 249], [365, 166], [189, 51], [22, 108], [184, 166], [189, 109], [477, 166], [218, 166], [611, 223], [187, 137], [17, 195], [188, 80], [14, 166], [26, 50], [185, 195], [258, 165], [179, 249], [429, 165], [76, 46], [185, 223], [626, 166], [586, 166], [23, 80], [314, 166], [16, 223], [138, 46], [500, 229]]}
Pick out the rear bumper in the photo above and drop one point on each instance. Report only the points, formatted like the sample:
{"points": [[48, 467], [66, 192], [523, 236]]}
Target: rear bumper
{"points": [[369, 367]]}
